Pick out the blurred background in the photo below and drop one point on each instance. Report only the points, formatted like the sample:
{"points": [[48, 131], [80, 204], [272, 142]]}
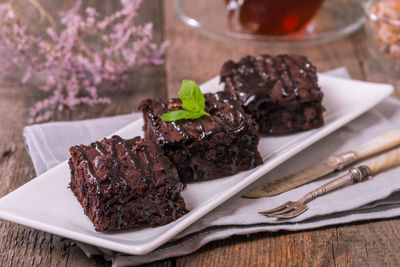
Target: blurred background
{"points": [[202, 36]]}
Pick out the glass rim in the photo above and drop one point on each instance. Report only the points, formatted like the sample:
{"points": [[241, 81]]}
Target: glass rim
{"points": [[374, 17], [295, 40]]}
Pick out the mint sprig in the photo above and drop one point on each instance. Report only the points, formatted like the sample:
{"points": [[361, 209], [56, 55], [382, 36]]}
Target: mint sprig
{"points": [[193, 103]]}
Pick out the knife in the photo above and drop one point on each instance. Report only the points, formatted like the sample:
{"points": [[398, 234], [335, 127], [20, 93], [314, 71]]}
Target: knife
{"points": [[333, 163]]}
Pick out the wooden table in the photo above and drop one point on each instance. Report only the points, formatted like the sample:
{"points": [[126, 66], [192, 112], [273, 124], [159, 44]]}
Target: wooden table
{"points": [[191, 56]]}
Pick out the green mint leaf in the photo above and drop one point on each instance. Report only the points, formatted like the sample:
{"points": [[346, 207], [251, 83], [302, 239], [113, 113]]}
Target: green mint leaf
{"points": [[182, 115], [193, 103], [191, 96]]}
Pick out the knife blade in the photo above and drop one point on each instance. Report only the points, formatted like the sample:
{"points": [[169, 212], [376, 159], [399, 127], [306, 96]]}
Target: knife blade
{"points": [[333, 163]]}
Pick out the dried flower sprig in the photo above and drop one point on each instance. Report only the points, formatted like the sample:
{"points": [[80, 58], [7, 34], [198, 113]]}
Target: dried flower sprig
{"points": [[74, 71]]}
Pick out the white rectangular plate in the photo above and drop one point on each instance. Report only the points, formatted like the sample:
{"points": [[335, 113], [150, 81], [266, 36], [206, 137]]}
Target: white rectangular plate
{"points": [[46, 203]]}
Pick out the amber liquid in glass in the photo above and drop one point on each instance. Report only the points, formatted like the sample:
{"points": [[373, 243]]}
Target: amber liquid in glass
{"points": [[276, 17]]}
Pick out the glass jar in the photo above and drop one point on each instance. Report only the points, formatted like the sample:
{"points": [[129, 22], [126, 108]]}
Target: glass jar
{"points": [[382, 27]]}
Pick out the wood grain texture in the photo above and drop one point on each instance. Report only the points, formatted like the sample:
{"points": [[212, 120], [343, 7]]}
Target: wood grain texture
{"points": [[374, 69], [363, 244], [194, 56], [22, 246]]}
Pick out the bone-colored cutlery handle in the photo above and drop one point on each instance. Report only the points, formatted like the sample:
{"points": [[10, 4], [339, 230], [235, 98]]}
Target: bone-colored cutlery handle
{"points": [[378, 164], [379, 144], [385, 161]]}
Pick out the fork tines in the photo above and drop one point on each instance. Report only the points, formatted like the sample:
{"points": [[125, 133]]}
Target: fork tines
{"points": [[286, 211]]}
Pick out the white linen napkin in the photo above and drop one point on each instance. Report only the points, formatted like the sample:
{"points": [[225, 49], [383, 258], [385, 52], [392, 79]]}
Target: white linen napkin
{"points": [[48, 145]]}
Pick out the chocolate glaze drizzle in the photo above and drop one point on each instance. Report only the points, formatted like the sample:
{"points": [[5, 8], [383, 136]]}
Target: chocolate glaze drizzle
{"points": [[232, 120], [227, 117], [251, 77], [280, 92], [116, 176], [119, 168]]}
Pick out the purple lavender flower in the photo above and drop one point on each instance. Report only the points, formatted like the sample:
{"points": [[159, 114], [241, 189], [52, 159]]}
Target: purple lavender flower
{"points": [[74, 70]]}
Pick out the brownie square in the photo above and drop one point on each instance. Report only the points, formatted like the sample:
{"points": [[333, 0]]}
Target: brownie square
{"points": [[218, 145], [280, 92], [125, 183]]}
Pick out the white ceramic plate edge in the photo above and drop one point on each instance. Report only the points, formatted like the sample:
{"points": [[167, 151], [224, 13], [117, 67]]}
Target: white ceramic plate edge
{"points": [[181, 224]]}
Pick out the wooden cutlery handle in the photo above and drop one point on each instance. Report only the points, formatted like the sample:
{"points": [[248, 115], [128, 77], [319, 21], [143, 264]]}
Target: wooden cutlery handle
{"points": [[379, 144], [385, 161]]}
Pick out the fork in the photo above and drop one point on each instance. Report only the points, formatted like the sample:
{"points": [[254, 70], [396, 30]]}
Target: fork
{"points": [[292, 209]]}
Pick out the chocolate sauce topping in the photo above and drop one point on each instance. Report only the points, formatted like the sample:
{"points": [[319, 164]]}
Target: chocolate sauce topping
{"points": [[125, 183], [208, 147], [117, 164], [280, 92], [224, 112], [280, 79]]}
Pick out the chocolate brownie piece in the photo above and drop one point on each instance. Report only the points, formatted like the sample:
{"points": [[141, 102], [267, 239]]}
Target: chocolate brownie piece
{"points": [[221, 144], [125, 183], [280, 92]]}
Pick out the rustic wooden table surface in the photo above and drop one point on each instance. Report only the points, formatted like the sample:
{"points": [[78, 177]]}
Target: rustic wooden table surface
{"points": [[192, 56]]}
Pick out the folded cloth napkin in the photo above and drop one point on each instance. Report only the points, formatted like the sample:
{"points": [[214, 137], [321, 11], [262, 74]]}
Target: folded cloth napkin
{"points": [[48, 145]]}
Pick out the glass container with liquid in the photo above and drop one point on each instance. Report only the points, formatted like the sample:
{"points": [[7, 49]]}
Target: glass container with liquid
{"points": [[271, 17]]}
